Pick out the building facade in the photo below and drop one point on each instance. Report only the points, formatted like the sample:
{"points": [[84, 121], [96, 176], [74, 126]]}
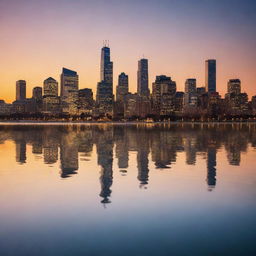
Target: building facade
{"points": [[122, 88], [142, 78], [21, 90], [105, 97], [69, 91], [210, 75], [86, 102], [163, 93]]}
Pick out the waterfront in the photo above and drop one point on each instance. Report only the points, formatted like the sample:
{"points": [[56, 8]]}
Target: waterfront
{"points": [[182, 189]]}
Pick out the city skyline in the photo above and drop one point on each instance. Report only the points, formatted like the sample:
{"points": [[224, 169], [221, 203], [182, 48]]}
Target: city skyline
{"points": [[176, 45], [163, 102], [208, 75], [180, 87]]}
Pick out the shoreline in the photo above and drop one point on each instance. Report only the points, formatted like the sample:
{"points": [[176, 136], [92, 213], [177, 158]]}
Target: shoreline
{"points": [[30, 122]]}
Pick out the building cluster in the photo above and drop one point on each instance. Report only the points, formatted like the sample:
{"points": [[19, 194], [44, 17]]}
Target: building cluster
{"points": [[163, 102]]}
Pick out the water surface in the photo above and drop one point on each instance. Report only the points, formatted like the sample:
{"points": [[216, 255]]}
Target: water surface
{"points": [[128, 190]]}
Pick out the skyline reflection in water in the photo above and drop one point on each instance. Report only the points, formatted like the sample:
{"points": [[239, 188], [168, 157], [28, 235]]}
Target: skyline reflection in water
{"points": [[119, 159]]}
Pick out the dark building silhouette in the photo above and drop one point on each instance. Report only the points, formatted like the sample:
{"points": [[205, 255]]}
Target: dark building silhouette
{"points": [[105, 97], [85, 104], [20, 90], [163, 94], [142, 78], [210, 75], [122, 88], [37, 93]]}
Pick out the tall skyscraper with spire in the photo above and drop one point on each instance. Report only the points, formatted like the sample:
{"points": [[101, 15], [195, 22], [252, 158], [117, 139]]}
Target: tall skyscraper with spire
{"points": [[104, 97], [142, 78]]}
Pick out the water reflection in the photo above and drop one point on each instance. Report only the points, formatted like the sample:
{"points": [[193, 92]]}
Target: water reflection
{"points": [[161, 143]]}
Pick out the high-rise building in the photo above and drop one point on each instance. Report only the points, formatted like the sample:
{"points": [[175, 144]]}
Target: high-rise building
{"points": [[210, 75], [234, 86], [190, 85], [163, 93], [21, 90], [178, 102], [106, 66], [190, 97], [69, 91], [85, 100], [50, 87], [236, 102], [37, 99], [51, 101], [104, 97], [122, 87], [142, 78], [37, 93]]}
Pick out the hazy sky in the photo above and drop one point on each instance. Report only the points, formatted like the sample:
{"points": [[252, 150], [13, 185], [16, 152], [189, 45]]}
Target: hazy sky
{"points": [[38, 38]]}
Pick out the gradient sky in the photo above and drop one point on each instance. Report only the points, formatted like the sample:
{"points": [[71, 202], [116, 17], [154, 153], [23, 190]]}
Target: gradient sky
{"points": [[38, 38]]}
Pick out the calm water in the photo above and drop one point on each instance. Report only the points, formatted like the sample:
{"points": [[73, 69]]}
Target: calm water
{"points": [[128, 190]]}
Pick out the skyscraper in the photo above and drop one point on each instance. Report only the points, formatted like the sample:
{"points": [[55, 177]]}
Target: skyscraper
{"points": [[50, 87], [210, 75], [190, 97], [106, 66], [122, 87], [21, 90], [51, 101], [104, 97], [142, 78], [234, 86], [190, 85], [37, 93], [37, 99], [85, 100], [163, 92], [69, 91]]}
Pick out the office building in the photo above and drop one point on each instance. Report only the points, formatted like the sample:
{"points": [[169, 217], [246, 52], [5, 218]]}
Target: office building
{"points": [[234, 86], [163, 93], [69, 91], [142, 78], [51, 101], [190, 97], [104, 97], [210, 75], [122, 88], [85, 97], [21, 90]]}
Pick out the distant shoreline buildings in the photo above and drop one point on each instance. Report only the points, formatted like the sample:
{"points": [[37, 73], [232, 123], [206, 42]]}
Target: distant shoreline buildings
{"points": [[164, 102]]}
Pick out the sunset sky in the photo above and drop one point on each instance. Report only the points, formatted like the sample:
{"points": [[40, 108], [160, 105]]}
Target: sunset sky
{"points": [[38, 38]]}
